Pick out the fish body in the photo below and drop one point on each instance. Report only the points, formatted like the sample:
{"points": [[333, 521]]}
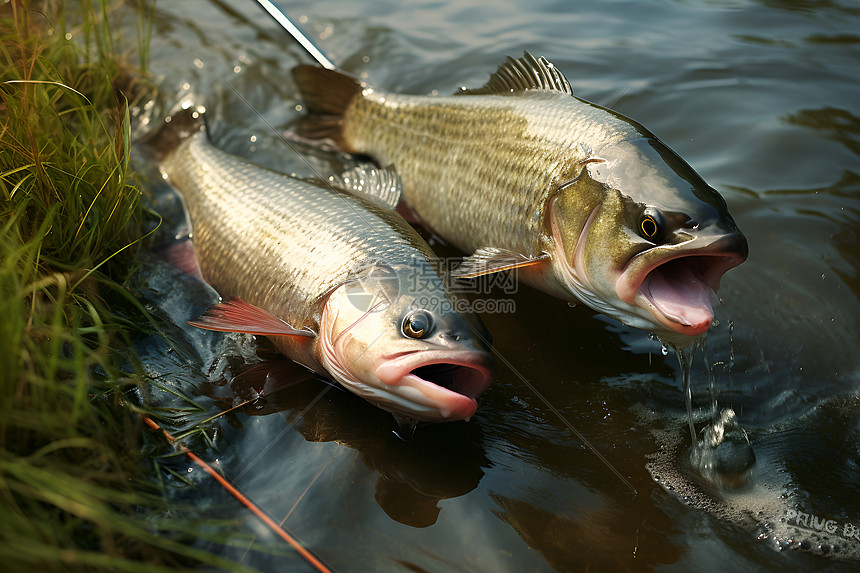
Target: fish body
{"points": [[586, 203], [341, 284]]}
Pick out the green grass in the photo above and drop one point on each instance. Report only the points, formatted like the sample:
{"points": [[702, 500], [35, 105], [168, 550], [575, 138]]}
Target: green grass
{"points": [[74, 491]]}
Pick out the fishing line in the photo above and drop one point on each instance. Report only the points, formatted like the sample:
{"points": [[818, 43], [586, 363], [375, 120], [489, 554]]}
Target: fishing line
{"points": [[282, 533], [564, 420], [296, 33], [283, 432], [295, 505], [630, 85]]}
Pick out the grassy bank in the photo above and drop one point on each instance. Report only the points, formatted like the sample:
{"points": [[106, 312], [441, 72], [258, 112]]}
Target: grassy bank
{"points": [[74, 494]]}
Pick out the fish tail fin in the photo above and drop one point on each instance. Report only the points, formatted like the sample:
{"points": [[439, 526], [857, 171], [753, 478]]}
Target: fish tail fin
{"points": [[327, 94]]}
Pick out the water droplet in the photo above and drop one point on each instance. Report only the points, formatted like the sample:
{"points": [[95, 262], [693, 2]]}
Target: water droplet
{"points": [[665, 350]]}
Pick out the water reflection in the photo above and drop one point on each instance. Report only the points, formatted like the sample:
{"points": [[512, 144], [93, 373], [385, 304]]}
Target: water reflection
{"points": [[573, 544], [440, 462], [839, 124]]}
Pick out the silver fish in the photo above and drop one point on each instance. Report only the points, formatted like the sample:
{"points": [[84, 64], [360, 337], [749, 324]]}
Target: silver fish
{"points": [[587, 204], [339, 282]]}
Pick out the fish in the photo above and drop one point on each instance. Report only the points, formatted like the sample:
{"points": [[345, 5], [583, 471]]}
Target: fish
{"points": [[336, 279], [521, 175]]}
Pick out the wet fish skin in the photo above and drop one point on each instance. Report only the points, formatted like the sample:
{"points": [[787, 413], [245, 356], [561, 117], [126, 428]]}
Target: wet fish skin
{"points": [[522, 167], [306, 254], [255, 230]]}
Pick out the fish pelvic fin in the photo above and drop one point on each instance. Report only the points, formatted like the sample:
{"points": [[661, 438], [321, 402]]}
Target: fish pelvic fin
{"points": [[379, 186], [489, 260], [523, 74], [181, 255], [327, 95], [236, 315]]}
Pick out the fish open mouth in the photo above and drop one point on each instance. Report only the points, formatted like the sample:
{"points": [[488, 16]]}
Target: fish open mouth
{"points": [[437, 385], [464, 380], [679, 290]]}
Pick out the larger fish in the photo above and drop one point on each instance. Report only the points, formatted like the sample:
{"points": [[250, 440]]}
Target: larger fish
{"points": [[341, 284], [586, 203]]}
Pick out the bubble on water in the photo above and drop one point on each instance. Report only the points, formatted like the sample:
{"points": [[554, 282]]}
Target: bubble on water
{"points": [[723, 455], [767, 506]]}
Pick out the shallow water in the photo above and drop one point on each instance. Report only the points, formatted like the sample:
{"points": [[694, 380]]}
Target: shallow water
{"points": [[761, 98]]}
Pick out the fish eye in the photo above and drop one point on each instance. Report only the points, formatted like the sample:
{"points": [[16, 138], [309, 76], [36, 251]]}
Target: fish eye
{"points": [[651, 224], [417, 324]]}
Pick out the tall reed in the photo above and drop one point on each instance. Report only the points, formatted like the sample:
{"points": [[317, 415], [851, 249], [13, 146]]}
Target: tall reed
{"points": [[73, 493]]}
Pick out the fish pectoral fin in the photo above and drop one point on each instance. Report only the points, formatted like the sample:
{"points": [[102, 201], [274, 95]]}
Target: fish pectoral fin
{"points": [[379, 186], [488, 260], [236, 315], [523, 74]]}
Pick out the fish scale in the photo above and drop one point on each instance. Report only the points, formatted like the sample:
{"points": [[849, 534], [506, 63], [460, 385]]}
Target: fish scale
{"points": [[279, 242], [418, 133]]}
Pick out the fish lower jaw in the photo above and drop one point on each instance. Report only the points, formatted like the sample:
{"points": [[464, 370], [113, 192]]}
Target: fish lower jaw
{"points": [[439, 391], [448, 406], [679, 313], [676, 324], [677, 295], [407, 400]]}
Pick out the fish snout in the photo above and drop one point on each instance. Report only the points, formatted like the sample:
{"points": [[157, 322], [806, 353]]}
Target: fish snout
{"points": [[676, 283], [733, 244]]}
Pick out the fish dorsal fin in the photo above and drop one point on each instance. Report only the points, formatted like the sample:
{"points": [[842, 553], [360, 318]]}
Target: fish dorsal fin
{"points": [[379, 186], [522, 74], [488, 260], [236, 315]]}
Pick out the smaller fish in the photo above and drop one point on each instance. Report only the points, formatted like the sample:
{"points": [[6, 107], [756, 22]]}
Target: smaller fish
{"points": [[336, 278]]}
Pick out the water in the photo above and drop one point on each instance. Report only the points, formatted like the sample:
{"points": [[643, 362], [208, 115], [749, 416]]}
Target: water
{"points": [[762, 99]]}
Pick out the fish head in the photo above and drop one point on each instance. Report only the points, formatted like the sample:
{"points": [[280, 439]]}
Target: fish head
{"points": [[398, 337], [641, 237]]}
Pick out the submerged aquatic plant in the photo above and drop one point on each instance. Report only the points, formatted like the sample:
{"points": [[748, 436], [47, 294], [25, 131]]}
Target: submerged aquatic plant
{"points": [[74, 492]]}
